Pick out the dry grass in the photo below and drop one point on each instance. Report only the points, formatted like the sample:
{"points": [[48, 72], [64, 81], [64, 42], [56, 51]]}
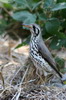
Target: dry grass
{"points": [[18, 78]]}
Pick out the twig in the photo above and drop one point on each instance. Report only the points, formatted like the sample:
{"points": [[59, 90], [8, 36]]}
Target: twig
{"points": [[14, 96], [17, 95], [5, 65], [48, 38], [28, 82], [24, 75], [15, 75], [6, 89], [6, 11]]}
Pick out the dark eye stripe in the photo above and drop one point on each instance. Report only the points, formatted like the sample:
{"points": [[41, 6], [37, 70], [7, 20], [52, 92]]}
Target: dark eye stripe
{"points": [[36, 32], [34, 28]]}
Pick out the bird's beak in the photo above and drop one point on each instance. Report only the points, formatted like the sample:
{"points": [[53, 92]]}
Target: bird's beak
{"points": [[25, 25]]}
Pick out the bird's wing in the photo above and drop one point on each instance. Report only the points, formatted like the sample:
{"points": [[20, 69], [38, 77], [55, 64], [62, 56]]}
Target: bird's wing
{"points": [[45, 53]]}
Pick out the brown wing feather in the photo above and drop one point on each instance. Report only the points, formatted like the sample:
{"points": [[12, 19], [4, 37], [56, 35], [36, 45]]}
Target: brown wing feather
{"points": [[45, 52], [47, 55]]}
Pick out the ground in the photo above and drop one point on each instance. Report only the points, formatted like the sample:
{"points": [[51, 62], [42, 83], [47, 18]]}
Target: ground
{"points": [[17, 78]]}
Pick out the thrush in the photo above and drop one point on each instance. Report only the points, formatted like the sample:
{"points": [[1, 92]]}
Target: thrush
{"points": [[39, 53]]}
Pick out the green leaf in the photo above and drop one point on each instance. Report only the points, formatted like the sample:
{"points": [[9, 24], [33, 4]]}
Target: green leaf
{"points": [[59, 1], [48, 3], [20, 45], [3, 25], [8, 6], [64, 24], [42, 16], [24, 16], [60, 62], [63, 13], [60, 35], [52, 25], [53, 44], [57, 43], [4, 1], [59, 6], [35, 5], [30, 4], [22, 3], [26, 42]]}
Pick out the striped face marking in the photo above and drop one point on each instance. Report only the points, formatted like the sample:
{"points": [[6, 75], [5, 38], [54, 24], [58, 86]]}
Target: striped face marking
{"points": [[36, 30]]}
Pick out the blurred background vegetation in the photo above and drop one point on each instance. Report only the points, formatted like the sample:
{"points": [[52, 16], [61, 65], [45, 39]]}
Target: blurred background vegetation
{"points": [[49, 14]]}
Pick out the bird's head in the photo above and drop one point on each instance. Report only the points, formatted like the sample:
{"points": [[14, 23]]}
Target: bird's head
{"points": [[34, 29]]}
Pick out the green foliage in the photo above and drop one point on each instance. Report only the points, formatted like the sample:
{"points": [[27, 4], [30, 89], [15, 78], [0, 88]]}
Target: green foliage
{"points": [[60, 63], [20, 45], [3, 25], [4, 1], [57, 43], [52, 25], [59, 6], [48, 4], [21, 16], [26, 42], [49, 14]]}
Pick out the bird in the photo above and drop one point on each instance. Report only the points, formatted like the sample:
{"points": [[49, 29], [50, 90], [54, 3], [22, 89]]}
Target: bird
{"points": [[39, 53]]}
